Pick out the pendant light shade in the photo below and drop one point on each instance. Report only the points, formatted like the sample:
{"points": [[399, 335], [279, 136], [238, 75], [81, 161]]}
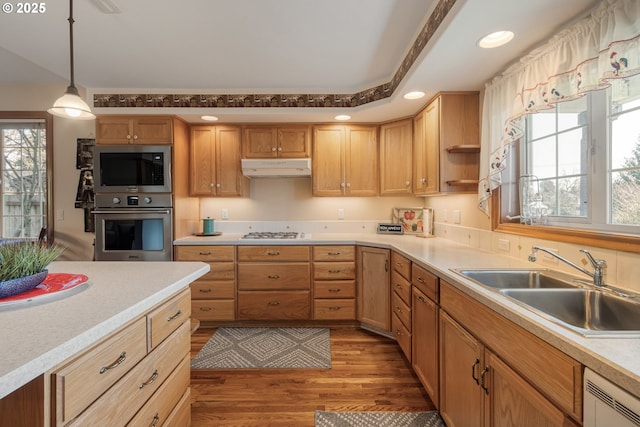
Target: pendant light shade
{"points": [[70, 105]]}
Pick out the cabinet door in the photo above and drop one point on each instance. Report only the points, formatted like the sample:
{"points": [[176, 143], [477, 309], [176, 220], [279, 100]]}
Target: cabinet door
{"points": [[374, 287], [328, 161], [419, 156], [229, 179], [432, 146], [513, 402], [461, 362], [201, 162], [152, 130], [113, 130], [361, 161], [424, 314], [395, 158], [260, 143], [294, 142]]}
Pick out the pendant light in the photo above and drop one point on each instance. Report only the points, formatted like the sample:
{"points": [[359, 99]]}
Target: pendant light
{"points": [[70, 105]]}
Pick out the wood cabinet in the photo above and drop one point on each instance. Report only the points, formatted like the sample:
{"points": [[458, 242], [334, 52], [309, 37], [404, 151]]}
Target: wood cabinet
{"points": [[507, 385], [396, 142], [213, 295], [374, 288], [134, 130], [274, 283], [447, 144], [147, 361], [214, 160], [334, 282], [424, 315], [401, 302], [265, 142], [345, 161]]}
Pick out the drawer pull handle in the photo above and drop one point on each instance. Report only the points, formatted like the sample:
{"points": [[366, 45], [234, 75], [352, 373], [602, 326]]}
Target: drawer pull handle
{"points": [[421, 299], [273, 253], [334, 253], [274, 303], [175, 316], [398, 285], [121, 358], [335, 271], [152, 378], [334, 290], [482, 378], [205, 253], [398, 310], [473, 371], [334, 308], [398, 333], [205, 291], [156, 420], [273, 276], [421, 280], [205, 308]]}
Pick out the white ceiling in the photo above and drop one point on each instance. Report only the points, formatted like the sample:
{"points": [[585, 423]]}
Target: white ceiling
{"points": [[271, 47]]}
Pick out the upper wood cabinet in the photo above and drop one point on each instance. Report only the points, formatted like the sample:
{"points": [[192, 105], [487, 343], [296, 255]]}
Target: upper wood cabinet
{"points": [[345, 161], [134, 130], [215, 162], [265, 142], [396, 140], [447, 144]]}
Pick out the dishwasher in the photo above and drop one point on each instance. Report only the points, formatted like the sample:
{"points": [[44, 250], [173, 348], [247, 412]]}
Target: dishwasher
{"points": [[607, 405]]}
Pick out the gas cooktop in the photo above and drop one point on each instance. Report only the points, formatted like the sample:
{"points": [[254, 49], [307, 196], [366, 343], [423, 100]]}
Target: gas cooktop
{"points": [[277, 235]]}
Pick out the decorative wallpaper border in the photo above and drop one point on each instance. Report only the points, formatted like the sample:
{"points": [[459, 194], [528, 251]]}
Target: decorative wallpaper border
{"points": [[284, 100]]}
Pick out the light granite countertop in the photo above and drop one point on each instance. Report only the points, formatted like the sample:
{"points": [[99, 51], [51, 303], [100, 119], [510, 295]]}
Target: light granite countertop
{"points": [[617, 359], [37, 336]]}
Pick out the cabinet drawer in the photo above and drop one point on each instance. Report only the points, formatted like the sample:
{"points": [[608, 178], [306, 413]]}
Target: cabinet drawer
{"points": [[334, 309], [127, 396], [401, 264], [402, 310], [79, 383], [213, 309], [273, 253], [425, 281], [402, 334], [273, 305], [334, 253], [206, 253], [334, 270], [211, 289], [156, 411], [334, 289], [272, 276], [401, 286], [220, 271], [181, 414], [165, 319]]}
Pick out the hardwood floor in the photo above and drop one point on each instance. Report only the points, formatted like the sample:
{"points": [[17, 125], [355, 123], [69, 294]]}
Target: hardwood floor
{"points": [[369, 373]]}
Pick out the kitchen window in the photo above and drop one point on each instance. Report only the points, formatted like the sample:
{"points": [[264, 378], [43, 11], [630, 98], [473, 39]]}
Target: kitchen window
{"points": [[25, 145]]}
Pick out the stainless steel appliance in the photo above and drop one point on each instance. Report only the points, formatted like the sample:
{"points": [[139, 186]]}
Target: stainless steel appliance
{"points": [[276, 235], [132, 169], [133, 227]]}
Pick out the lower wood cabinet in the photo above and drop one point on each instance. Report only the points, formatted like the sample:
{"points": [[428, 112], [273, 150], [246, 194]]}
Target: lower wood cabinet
{"points": [[374, 288], [334, 282], [136, 376]]}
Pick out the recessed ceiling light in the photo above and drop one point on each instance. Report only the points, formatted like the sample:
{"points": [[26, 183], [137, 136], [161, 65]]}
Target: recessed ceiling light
{"points": [[414, 95], [209, 118], [495, 39], [342, 117]]}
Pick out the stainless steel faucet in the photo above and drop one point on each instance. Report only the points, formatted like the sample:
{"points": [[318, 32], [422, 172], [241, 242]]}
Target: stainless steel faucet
{"points": [[598, 264]]}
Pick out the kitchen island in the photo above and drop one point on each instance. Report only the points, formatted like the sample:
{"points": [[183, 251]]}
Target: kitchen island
{"points": [[37, 337], [613, 358]]}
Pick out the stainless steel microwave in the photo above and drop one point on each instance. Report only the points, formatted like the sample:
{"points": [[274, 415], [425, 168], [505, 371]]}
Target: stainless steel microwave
{"points": [[132, 168]]}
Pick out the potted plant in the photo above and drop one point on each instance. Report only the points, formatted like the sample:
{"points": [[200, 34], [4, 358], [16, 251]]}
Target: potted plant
{"points": [[22, 265]]}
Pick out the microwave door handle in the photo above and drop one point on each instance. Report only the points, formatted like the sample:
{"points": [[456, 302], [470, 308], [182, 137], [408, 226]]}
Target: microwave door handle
{"points": [[132, 211]]}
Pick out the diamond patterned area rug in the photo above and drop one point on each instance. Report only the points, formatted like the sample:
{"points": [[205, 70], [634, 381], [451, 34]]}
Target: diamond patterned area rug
{"points": [[248, 348], [378, 419]]}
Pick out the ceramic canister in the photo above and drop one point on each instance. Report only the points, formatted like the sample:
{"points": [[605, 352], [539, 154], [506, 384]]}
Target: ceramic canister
{"points": [[207, 226]]}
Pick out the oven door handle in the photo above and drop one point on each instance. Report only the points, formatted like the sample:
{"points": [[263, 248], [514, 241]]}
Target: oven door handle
{"points": [[133, 211]]}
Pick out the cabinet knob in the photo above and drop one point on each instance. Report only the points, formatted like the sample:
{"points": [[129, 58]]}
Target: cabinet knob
{"points": [[128, 136], [135, 136], [348, 185], [279, 148], [273, 148], [218, 185], [407, 183]]}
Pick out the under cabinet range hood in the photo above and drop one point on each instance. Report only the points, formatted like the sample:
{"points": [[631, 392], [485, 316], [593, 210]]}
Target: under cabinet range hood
{"points": [[276, 168]]}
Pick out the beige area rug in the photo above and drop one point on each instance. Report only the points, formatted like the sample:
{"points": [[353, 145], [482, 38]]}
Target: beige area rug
{"points": [[378, 419], [248, 348]]}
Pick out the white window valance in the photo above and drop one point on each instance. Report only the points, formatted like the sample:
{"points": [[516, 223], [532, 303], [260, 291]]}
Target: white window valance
{"points": [[589, 55]]}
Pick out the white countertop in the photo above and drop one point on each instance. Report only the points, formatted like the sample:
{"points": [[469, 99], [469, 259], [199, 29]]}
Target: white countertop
{"points": [[617, 359], [35, 337]]}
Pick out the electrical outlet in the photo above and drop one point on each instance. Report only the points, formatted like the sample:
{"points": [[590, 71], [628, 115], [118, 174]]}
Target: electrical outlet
{"points": [[456, 216], [225, 213], [340, 213], [59, 215], [445, 216], [504, 245]]}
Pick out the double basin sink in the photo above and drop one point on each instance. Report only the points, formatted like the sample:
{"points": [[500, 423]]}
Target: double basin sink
{"points": [[566, 300]]}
